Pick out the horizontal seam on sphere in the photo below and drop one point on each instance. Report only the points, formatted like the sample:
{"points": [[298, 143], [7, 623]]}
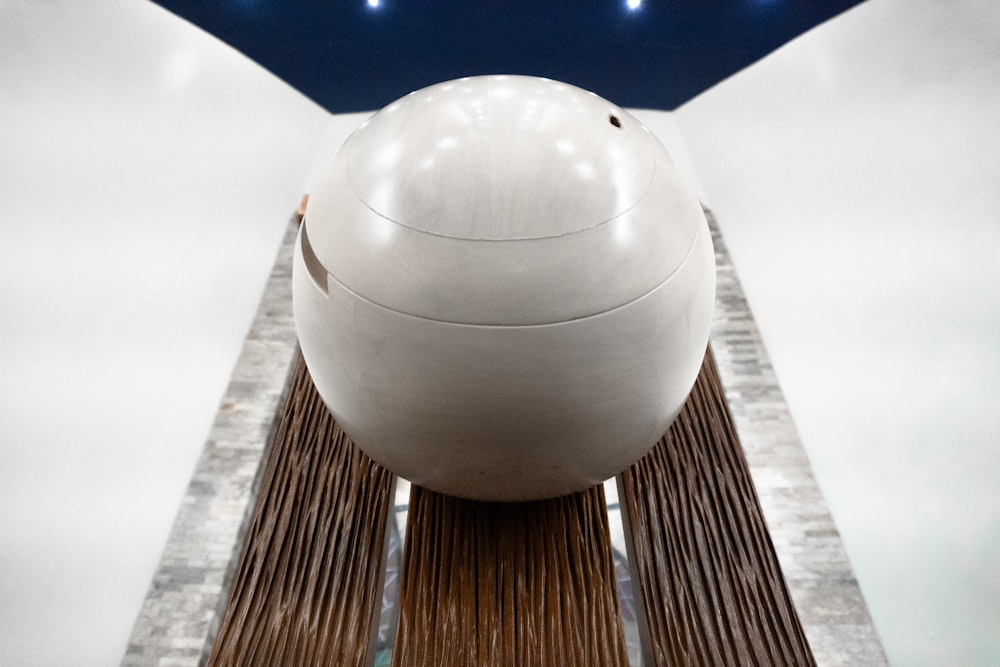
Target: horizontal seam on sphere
{"points": [[354, 189], [526, 325]]}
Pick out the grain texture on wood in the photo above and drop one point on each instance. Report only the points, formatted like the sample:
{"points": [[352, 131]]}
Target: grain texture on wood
{"points": [[503, 584], [710, 579], [308, 584], [509, 583]]}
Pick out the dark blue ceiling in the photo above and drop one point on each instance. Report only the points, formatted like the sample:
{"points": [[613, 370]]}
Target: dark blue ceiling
{"points": [[349, 56]]}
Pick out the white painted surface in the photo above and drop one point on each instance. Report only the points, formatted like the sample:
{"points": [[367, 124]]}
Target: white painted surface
{"points": [[146, 176], [484, 319], [856, 178]]}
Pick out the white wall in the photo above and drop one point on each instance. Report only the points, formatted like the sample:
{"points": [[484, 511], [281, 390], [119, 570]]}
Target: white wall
{"points": [[146, 175], [856, 177]]}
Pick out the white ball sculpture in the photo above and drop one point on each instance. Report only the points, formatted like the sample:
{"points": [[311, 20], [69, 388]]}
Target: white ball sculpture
{"points": [[503, 289]]}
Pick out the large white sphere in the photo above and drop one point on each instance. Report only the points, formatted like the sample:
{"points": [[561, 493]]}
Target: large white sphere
{"points": [[502, 288]]}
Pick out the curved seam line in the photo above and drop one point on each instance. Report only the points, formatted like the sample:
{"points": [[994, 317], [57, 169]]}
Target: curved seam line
{"points": [[673, 274], [354, 189]]}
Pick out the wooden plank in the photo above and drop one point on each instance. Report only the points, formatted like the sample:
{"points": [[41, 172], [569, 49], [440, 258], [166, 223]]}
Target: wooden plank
{"points": [[705, 564], [508, 584], [308, 586]]}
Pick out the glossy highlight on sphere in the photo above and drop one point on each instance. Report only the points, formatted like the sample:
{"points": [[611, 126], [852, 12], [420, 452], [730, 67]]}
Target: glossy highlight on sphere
{"points": [[502, 288]]}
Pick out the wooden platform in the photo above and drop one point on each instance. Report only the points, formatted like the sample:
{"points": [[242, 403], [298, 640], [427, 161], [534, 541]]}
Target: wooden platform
{"points": [[509, 584]]}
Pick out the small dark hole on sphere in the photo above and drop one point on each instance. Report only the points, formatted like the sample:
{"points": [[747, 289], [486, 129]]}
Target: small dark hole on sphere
{"points": [[614, 120]]}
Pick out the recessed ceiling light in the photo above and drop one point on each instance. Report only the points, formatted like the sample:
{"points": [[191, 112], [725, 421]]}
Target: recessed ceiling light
{"points": [[633, 4], [373, 4]]}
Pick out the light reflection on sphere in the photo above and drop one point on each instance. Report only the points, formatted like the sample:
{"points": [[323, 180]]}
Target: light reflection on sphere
{"points": [[503, 289]]}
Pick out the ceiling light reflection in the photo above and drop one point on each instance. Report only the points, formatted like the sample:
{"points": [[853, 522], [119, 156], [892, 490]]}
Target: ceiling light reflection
{"points": [[623, 231], [447, 143], [503, 92], [384, 230], [565, 146], [388, 155]]}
